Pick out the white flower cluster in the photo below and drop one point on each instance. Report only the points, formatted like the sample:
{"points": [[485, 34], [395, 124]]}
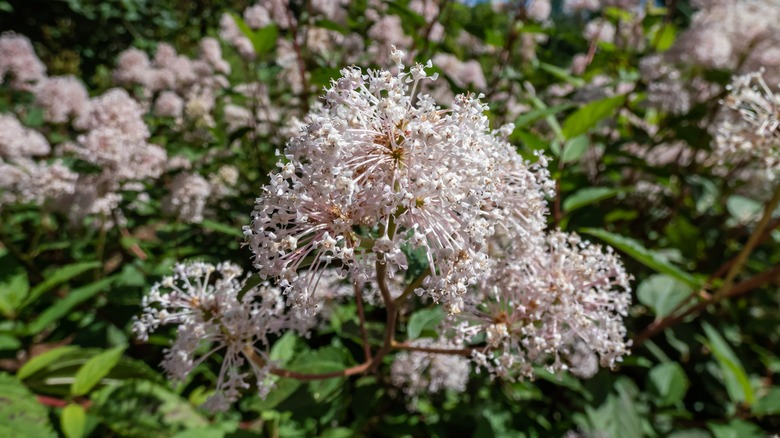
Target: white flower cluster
{"points": [[181, 85], [203, 301], [22, 179], [750, 125], [542, 306], [18, 60], [379, 169]]}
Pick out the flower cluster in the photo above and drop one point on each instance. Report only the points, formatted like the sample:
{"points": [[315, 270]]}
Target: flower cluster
{"points": [[750, 125], [204, 301], [379, 169], [544, 304]]}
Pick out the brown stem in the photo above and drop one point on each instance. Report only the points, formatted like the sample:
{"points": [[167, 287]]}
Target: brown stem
{"points": [[392, 314], [301, 62], [736, 290], [362, 316], [506, 52], [351, 371], [412, 286], [751, 243], [454, 351]]}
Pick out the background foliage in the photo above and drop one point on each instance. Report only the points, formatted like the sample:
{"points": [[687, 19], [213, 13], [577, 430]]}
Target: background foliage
{"points": [[67, 294]]}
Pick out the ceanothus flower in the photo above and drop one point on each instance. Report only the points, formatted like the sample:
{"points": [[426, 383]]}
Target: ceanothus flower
{"points": [[380, 169], [203, 301]]}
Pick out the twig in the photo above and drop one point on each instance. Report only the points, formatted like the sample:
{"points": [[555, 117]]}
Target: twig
{"points": [[738, 289], [453, 351], [736, 267], [412, 286], [362, 316]]}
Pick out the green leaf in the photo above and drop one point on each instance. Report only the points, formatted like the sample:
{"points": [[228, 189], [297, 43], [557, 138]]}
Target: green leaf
{"points": [[64, 306], [9, 342], [73, 420], [638, 252], [58, 277], [422, 320], [736, 429], [744, 209], [734, 375], [221, 228], [14, 285], [284, 349], [533, 142], [20, 413], [321, 76], [662, 293], [41, 361], [589, 115], [144, 409], [95, 369], [534, 115], [664, 37], [669, 382], [562, 74], [408, 16], [587, 196], [769, 404], [574, 148], [263, 39]]}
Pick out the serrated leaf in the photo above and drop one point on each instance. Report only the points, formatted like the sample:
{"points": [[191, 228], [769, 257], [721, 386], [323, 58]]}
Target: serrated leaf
{"points": [[41, 361], [638, 252], [669, 382], [587, 196], [20, 413], [95, 369], [734, 375], [589, 115], [73, 421], [422, 320], [58, 277], [61, 307], [662, 293]]}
